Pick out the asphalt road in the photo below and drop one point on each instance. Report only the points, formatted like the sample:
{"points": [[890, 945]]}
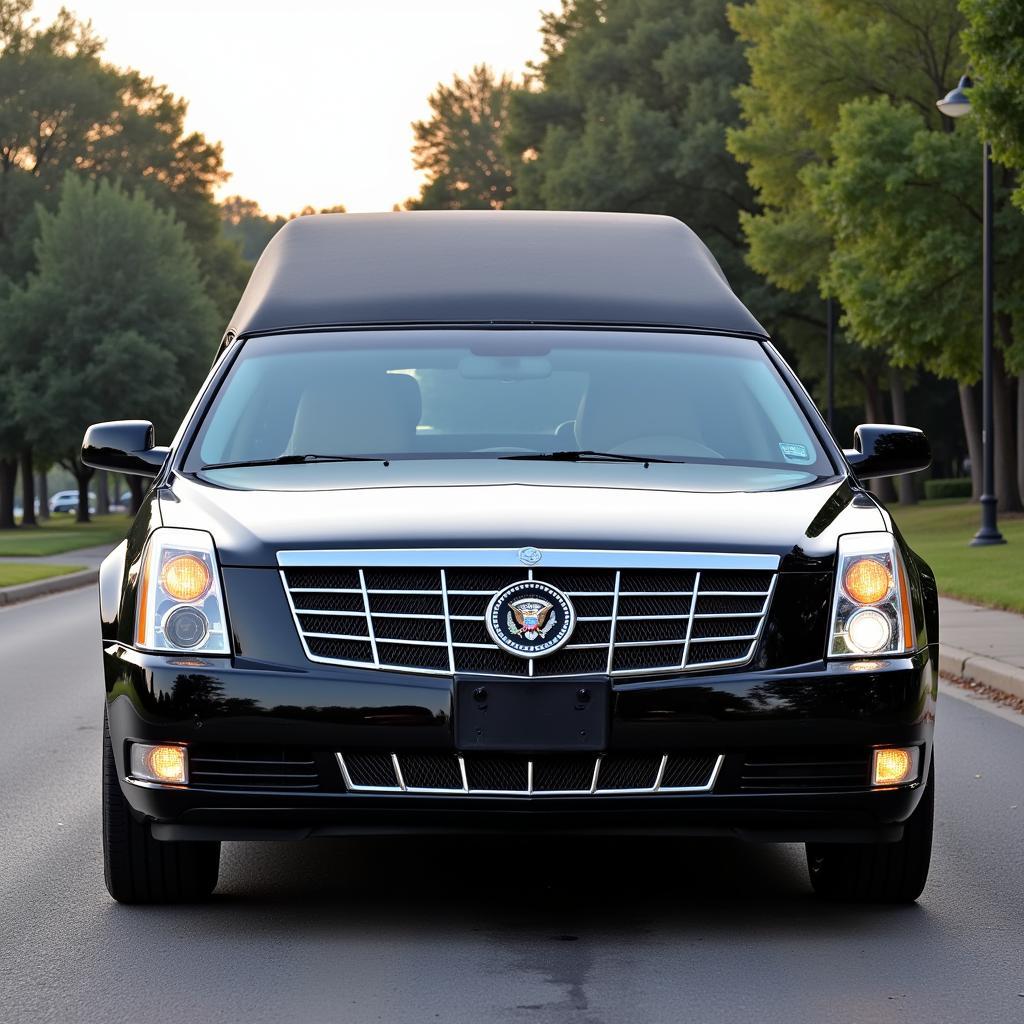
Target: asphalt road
{"points": [[478, 931]]}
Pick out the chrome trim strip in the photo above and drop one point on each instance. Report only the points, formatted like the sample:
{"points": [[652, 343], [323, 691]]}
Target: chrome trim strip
{"points": [[695, 597], [447, 621], [558, 558], [398, 772], [369, 618]]}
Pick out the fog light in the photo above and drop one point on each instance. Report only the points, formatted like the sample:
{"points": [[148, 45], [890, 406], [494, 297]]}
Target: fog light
{"points": [[868, 631], [159, 763], [894, 765]]}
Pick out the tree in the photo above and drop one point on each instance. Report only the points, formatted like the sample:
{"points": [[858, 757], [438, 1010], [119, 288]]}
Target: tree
{"points": [[628, 111], [63, 109], [809, 59], [245, 224], [994, 43], [901, 204], [460, 145], [113, 323]]}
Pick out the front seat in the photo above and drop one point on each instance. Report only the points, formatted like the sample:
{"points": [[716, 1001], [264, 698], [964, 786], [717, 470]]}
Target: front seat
{"points": [[360, 415], [635, 415]]}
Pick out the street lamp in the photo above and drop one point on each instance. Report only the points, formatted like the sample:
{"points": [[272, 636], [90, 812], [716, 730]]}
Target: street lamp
{"points": [[956, 103]]}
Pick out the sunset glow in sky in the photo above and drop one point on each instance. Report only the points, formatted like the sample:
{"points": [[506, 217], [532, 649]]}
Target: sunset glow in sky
{"points": [[312, 99]]}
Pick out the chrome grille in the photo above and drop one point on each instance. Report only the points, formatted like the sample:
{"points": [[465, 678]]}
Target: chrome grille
{"points": [[424, 610], [543, 775]]}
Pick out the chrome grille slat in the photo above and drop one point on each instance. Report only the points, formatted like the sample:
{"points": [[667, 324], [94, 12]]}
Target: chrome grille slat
{"points": [[693, 773], [739, 605]]}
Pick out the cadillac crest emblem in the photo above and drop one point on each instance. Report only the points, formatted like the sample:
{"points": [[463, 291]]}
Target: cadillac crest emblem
{"points": [[530, 618]]}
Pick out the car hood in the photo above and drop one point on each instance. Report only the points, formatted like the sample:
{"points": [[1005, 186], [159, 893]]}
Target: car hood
{"points": [[606, 506]]}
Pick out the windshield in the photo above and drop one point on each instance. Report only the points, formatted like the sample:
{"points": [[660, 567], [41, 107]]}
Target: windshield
{"points": [[492, 394]]}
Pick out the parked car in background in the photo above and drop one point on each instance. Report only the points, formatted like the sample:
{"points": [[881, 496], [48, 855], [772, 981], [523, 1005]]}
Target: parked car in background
{"points": [[67, 501], [123, 503]]}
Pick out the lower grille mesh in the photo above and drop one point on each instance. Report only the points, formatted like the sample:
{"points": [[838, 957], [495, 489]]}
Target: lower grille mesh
{"points": [[521, 775]]}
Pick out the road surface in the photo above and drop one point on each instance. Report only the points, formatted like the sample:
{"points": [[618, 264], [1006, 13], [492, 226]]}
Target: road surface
{"points": [[470, 932]]}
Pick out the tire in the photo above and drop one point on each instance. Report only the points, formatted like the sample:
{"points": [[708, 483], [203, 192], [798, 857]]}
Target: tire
{"points": [[139, 869], [878, 872]]}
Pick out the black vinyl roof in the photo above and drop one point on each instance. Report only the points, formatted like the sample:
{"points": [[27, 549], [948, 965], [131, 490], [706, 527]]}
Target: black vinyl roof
{"points": [[457, 266]]}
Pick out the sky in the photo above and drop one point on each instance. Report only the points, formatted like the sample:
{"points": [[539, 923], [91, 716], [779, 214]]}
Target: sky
{"points": [[312, 99]]}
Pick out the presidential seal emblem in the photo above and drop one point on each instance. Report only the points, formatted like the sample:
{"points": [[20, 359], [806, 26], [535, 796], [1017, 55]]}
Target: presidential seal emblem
{"points": [[530, 618]]}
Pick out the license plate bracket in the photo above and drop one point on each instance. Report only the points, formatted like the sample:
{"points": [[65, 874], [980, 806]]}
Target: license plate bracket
{"points": [[534, 715]]}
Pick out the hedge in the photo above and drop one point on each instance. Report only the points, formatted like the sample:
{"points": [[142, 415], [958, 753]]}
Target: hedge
{"points": [[959, 487]]}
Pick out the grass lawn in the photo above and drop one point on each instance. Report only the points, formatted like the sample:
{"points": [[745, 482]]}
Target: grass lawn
{"points": [[939, 532], [61, 533], [17, 572]]}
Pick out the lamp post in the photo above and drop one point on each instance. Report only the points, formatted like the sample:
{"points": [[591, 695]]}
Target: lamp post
{"points": [[956, 103]]}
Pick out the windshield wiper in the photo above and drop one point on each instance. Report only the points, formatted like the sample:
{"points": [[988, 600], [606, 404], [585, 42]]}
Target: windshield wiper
{"points": [[292, 460], [588, 456]]}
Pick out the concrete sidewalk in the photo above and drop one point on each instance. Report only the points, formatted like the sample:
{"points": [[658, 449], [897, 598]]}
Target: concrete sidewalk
{"points": [[982, 645]]}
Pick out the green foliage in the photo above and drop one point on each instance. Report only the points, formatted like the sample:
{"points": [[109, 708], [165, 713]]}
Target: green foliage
{"points": [[628, 111], [901, 203], [460, 146], [808, 58], [113, 323], [958, 487], [994, 42], [64, 109]]}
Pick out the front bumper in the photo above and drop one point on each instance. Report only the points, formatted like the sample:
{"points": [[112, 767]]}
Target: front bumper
{"points": [[321, 711]]}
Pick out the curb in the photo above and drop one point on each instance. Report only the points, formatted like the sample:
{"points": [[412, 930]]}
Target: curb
{"points": [[53, 585], [976, 668]]}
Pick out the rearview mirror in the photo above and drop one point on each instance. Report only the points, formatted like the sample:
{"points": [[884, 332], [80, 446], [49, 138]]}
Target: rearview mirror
{"points": [[124, 446], [884, 449]]}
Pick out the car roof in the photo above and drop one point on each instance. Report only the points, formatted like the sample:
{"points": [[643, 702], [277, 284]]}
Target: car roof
{"points": [[457, 266]]}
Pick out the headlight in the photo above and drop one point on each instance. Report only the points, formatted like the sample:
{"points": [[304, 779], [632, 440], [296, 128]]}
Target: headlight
{"points": [[180, 606], [871, 614]]}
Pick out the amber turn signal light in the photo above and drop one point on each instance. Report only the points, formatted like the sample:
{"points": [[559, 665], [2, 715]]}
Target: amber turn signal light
{"points": [[163, 762], [185, 578], [867, 581], [894, 765]]}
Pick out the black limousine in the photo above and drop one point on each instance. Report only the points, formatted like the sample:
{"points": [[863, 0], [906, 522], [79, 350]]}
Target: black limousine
{"points": [[510, 522]]}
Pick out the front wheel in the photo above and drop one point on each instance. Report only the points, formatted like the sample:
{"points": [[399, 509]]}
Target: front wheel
{"points": [[878, 872], [139, 869]]}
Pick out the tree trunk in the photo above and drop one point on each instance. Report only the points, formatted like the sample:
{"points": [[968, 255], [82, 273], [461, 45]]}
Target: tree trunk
{"points": [[102, 493], [83, 474], [8, 476], [28, 488], [138, 490], [1006, 447], [43, 490], [881, 486], [1020, 434], [898, 396], [972, 434]]}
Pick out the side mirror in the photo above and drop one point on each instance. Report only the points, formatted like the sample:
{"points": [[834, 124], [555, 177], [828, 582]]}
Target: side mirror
{"points": [[124, 446], [884, 449]]}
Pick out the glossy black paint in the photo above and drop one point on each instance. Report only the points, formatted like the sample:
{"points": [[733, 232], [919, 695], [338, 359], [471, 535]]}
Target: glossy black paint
{"points": [[885, 449], [269, 693], [124, 446]]}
